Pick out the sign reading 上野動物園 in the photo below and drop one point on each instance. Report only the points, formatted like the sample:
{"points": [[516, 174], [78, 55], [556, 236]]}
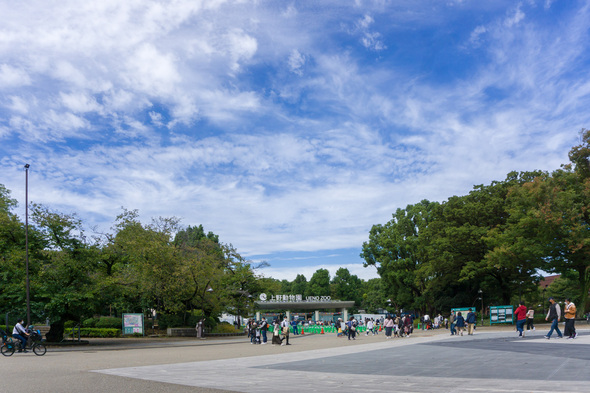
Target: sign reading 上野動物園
{"points": [[133, 323], [293, 298]]}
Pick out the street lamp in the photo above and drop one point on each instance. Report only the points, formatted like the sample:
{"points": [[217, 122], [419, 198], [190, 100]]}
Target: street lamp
{"points": [[481, 297], [27, 243]]}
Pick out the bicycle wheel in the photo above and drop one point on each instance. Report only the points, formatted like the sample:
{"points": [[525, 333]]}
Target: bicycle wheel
{"points": [[7, 349], [39, 349]]}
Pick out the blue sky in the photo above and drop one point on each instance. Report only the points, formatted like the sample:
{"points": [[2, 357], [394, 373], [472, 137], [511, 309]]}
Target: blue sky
{"points": [[288, 128]]}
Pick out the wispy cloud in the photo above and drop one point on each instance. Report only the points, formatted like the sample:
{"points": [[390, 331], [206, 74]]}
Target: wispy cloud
{"points": [[284, 127]]}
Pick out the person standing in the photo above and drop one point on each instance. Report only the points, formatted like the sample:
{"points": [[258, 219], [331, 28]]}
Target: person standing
{"points": [[471, 319], [276, 333], [553, 315], [388, 324], [285, 327], [408, 325], [452, 323], [199, 328], [570, 318], [351, 325], [520, 315], [294, 324], [263, 330], [530, 319]]}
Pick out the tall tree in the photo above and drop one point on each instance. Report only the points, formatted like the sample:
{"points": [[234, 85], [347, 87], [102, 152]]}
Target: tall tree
{"points": [[346, 286], [398, 250], [299, 286], [65, 281], [319, 284]]}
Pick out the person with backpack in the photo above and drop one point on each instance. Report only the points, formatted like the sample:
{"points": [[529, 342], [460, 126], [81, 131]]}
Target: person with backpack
{"points": [[471, 319], [460, 323], [351, 328]]}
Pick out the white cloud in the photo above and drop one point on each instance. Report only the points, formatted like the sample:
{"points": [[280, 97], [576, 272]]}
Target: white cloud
{"points": [[515, 18], [296, 62], [13, 77], [475, 38], [357, 269], [152, 72], [192, 109]]}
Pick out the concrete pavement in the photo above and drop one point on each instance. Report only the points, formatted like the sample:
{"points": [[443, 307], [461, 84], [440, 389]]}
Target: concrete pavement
{"points": [[493, 360]]}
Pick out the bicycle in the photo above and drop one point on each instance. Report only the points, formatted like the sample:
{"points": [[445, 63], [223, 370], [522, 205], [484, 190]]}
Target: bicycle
{"points": [[9, 346]]}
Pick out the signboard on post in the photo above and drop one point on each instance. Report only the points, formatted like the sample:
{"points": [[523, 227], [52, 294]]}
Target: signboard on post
{"points": [[501, 314], [464, 310], [133, 323]]}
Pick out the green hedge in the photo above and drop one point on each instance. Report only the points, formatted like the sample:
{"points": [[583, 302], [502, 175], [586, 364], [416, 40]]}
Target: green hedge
{"points": [[101, 333]]}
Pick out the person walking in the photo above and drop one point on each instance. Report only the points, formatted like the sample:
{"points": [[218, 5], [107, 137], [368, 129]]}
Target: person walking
{"points": [[460, 323], [553, 315], [530, 319], [452, 323], [471, 319], [520, 315], [570, 319], [370, 327]]}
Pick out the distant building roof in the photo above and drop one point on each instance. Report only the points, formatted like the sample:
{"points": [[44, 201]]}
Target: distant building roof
{"points": [[546, 281]]}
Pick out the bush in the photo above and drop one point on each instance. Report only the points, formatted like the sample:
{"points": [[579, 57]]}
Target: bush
{"points": [[100, 333], [225, 327], [169, 321], [109, 323], [70, 324], [90, 322]]}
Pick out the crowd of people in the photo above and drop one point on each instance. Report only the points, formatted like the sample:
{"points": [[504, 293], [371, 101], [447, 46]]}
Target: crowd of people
{"points": [[403, 325]]}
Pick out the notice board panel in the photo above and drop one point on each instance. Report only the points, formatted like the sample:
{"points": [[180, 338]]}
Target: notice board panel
{"points": [[501, 314], [133, 323]]}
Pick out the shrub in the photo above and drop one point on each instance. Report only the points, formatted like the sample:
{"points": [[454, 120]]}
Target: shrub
{"points": [[109, 323], [70, 324], [169, 321], [225, 327], [90, 322], [100, 333]]}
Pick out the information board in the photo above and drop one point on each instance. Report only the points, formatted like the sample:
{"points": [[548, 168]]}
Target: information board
{"points": [[501, 314], [133, 323]]}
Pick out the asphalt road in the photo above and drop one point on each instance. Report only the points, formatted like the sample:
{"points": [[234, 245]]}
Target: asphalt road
{"points": [[493, 360]]}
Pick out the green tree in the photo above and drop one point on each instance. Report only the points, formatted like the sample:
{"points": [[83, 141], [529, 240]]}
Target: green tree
{"points": [[346, 286], [398, 250], [64, 282], [299, 285], [319, 284]]}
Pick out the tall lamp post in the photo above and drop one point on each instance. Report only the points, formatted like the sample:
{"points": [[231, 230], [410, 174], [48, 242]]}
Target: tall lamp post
{"points": [[481, 297], [27, 243]]}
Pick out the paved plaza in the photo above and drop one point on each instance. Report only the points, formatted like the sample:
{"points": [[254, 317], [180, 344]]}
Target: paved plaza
{"points": [[493, 360]]}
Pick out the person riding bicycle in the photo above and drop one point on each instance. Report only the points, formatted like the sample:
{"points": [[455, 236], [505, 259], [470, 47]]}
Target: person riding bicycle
{"points": [[20, 333]]}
